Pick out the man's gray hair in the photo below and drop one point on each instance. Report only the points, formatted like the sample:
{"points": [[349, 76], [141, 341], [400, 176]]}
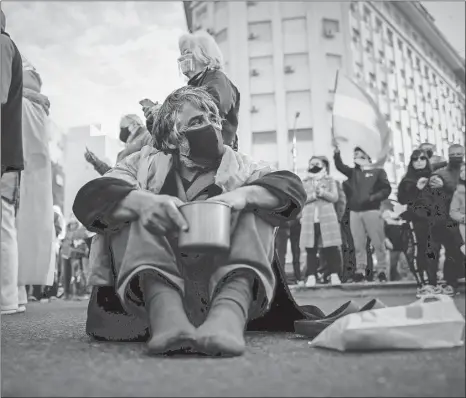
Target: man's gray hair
{"points": [[165, 131]]}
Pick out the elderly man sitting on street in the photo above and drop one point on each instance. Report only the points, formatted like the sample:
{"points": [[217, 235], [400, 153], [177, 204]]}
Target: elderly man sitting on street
{"points": [[134, 210]]}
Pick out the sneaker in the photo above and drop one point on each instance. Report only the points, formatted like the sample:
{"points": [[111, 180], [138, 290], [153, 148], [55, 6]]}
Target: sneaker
{"points": [[448, 290], [9, 312], [21, 309], [44, 300], [358, 277], [382, 277], [301, 283], [311, 281], [428, 290], [335, 280]]}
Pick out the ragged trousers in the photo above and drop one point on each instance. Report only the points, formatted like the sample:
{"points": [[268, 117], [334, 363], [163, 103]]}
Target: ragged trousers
{"points": [[135, 251]]}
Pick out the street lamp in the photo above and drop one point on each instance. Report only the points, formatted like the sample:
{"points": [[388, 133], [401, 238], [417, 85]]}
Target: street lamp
{"points": [[295, 149]]}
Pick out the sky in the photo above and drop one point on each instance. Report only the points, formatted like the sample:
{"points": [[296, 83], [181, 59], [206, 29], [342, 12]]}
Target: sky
{"points": [[99, 59]]}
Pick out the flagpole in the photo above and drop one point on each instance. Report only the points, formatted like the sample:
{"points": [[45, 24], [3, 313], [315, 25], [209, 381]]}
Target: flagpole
{"points": [[334, 92], [295, 149]]}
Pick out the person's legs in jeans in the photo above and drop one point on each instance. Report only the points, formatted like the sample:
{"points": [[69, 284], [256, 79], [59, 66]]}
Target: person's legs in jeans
{"points": [[311, 258], [332, 258], [295, 234], [359, 235], [448, 235], [67, 274], [394, 259], [374, 226]]}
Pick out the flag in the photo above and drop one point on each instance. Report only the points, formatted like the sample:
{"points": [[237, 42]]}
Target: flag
{"points": [[358, 122]]}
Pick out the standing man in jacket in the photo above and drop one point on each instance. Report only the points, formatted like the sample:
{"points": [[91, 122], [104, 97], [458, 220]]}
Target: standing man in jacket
{"points": [[368, 188], [445, 231], [12, 162]]}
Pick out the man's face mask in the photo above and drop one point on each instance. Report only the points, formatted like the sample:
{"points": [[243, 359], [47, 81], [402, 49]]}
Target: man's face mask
{"points": [[204, 143], [361, 160], [124, 134], [186, 64], [456, 159], [315, 168]]}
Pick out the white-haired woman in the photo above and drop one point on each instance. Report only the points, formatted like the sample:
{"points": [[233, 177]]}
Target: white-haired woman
{"points": [[134, 210], [201, 61]]}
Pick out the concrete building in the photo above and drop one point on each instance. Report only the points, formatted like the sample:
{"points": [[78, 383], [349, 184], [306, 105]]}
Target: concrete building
{"points": [[76, 169], [283, 56]]}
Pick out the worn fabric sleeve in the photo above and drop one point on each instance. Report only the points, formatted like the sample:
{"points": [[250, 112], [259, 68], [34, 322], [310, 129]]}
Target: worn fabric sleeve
{"points": [[330, 195], [449, 184], [97, 200], [288, 188]]}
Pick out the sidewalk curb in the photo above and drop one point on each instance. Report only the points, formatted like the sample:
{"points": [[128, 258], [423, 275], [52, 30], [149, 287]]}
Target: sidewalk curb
{"points": [[365, 286]]}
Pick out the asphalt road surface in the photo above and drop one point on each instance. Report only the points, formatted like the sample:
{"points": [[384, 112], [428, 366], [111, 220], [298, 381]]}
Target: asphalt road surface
{"points": [[45, 352]]}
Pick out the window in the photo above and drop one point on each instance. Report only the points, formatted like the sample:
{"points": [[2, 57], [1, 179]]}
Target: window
{"points": [[426, 72], [372, 76], [400, 44], [402, 73], [389, 37], [410, 53], [369, 46], [367, 15], [382, 53], [354, 7], [356, 36], [411, 81], [418, 64], [378, 25]]}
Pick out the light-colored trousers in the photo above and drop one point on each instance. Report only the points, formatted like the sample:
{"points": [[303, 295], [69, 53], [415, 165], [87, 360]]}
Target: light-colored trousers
{"points": [[136, 251], [369, 224], [11, 295]]}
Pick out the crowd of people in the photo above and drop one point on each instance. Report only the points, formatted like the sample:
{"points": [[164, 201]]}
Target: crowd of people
{"points": [[340, 226]]}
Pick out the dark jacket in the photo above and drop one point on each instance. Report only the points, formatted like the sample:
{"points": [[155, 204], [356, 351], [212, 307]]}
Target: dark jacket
{"points": [[12, 114], [418, 202], [365, 189], [226, 97]]}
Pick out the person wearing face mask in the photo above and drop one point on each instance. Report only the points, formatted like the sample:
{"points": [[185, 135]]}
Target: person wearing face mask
{"points": [[134, 211], [413, 193], [436, 161], [445, 231], [133, 133], [458, 205], [320, 227], [201, 61], [367, 187]]}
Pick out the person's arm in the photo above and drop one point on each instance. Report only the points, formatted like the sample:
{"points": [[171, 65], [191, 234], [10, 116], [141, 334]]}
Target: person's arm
{"points": [[8, 52], [384, 187], [439, 165], [97, 201], [277, 197], [330, 195], [457, 209], [407, 192], [341, 167], [449, 185]]}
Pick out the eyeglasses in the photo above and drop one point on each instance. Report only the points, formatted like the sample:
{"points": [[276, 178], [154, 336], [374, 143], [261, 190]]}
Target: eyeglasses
{"points": [[419, 158]]}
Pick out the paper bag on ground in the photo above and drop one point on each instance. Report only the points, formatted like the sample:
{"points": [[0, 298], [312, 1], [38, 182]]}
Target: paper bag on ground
{"points": [[420, 325]]}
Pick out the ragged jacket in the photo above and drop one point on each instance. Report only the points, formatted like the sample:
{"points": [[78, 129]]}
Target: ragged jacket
{"points": [[148, 170]]}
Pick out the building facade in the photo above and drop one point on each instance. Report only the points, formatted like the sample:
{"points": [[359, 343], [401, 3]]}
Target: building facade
{"points": [[76, 169], [283, 57]]}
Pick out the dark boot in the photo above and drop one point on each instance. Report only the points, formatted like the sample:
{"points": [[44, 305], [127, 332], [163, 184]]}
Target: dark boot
{"points": [[170, 328], [222, 334]]}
